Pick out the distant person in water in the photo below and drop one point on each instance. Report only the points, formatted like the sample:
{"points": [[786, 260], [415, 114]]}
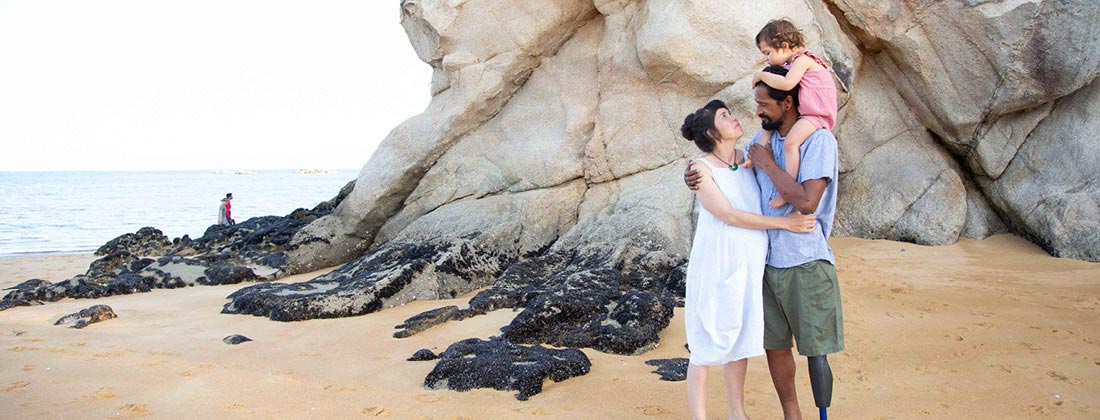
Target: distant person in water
{"points": [[225, 213]]}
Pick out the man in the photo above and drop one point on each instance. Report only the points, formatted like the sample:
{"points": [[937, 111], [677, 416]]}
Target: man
{"points": [[801, 293]]}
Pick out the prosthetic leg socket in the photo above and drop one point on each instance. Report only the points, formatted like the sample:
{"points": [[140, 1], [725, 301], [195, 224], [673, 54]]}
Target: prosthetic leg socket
{"points": [[821, 381]]}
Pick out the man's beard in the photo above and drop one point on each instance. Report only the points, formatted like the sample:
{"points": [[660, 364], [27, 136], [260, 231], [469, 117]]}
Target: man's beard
{"points": [[768, 124]]}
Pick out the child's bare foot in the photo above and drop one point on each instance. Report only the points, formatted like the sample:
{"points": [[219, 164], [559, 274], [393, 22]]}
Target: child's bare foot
{"points": [[777, 202]]}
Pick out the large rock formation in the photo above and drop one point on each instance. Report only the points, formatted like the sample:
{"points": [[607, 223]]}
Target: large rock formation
{"points": [[547, 165]]}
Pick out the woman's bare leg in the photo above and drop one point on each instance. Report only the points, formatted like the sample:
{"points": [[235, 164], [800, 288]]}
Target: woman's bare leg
{"points": [[735, 388], [697, 391]]}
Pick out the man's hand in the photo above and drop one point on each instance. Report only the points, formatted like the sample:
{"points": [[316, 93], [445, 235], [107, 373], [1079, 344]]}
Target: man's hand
{"points": [[761, 155], [692, 177]]}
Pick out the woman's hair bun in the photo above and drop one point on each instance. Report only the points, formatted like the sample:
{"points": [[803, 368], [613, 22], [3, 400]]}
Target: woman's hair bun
{"points": [[685, 130]]}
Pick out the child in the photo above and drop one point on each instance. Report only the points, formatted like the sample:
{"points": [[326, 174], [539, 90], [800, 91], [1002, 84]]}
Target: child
{"points": [[784, 45]]}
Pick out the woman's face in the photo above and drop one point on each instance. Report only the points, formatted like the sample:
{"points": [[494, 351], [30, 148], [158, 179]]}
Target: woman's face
{"points": [[728, 127], [776, 56]]}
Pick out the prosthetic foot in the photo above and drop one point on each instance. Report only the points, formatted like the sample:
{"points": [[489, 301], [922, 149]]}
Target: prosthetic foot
{"points": [[821, 381]]}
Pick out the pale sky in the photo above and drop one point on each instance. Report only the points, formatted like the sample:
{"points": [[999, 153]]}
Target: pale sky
{"points": [[198, 84]]}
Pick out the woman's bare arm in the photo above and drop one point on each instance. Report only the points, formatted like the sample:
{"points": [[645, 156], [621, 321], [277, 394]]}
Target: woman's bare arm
{"points": [[715, 202]]}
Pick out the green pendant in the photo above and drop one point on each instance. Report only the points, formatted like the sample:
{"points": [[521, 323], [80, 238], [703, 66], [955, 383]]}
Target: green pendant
{"points": [[733, 167]]}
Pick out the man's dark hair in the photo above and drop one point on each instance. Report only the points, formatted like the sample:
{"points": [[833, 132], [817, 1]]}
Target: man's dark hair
{"points": [[777, 94], [228, 195]]}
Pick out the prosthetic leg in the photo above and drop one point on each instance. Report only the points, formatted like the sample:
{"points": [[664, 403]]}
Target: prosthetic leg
{"points": [[821, 381]]}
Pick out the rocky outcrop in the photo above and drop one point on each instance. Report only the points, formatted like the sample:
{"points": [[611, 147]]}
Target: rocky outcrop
{"points": [[547, 167], [452, 251], [935, 144], [146, 241], [501, 365], [253, 250], [1008, 112]]}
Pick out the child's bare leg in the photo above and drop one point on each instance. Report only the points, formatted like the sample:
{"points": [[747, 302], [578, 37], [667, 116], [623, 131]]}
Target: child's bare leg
{"points": [[792, 154], [697, 391]]}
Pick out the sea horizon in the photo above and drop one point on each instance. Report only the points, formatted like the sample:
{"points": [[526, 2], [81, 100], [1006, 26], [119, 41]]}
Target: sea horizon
{"points": [[76, 211]]}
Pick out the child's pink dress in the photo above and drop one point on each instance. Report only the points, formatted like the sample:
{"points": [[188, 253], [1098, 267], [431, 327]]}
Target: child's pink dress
{"points": [[817, 95]]}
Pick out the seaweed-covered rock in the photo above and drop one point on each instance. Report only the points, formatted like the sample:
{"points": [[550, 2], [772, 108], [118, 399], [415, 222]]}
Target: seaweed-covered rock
{"points": [[127, 283], [573, 301], [146, 241], [501, 365], [672, 370], [107, 266], [391, 275], [88, 316], [226, 274], [423, 355]]}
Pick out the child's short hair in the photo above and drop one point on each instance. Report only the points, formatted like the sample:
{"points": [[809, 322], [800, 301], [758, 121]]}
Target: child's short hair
{"points": [[780, 31]]}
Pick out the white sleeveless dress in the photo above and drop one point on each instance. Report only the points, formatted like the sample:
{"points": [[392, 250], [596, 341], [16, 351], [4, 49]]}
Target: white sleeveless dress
{"points": [[724, 310]]}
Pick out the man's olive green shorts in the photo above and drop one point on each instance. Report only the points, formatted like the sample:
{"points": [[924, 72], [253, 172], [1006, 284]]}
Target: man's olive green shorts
{"points": [[803, 301]]}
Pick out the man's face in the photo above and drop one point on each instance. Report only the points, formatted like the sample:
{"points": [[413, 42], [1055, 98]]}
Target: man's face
{"points": [[769, 111]]}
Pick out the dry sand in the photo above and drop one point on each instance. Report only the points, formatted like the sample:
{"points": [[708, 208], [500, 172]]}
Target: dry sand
{"points": [[992, 329]]}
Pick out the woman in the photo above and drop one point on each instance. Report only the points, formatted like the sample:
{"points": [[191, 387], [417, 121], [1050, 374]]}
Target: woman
{"points": [[723, 306]]}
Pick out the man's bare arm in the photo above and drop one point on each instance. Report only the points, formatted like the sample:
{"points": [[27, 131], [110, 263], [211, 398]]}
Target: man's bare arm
{"points": [[804, 197]]}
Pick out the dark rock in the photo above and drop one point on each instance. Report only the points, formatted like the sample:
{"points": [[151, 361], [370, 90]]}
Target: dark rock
{"points": [[235, 339], [8, 303], [425, 320], [572, 301], [29, 285], [127, 283], [423, 355], [88, 316], [227, 274], [80, 287], [673, 370], [106, 266], [146, 241], [676, 284], [275, 260], [390, 275], [501, 365], [570, 313], [140, 264]]}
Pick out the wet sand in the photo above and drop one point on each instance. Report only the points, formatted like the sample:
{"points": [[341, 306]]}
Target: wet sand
{"points": [[979, 329]]}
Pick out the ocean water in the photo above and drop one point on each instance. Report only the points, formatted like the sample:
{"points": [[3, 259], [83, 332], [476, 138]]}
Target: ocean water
{"points": [[69, 212]]}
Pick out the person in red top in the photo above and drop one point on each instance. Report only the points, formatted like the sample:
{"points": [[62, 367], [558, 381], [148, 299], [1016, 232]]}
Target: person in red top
{"points": [[225, 212]]}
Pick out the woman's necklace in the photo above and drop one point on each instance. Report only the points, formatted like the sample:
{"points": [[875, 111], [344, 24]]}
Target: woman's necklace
{"points": [[731, 166]]}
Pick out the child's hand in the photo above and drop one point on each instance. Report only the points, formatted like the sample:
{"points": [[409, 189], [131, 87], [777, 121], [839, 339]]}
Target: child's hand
{"points": [[755, 79], [747, 164]]}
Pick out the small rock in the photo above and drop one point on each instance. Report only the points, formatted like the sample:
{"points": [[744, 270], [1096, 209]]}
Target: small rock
{"points": [[423, 355], [88, 316], [235, 339], [672, 370], [427, 319]]}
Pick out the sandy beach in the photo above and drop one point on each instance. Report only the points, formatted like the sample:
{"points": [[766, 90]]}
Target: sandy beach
{"points": [[976, 330]]}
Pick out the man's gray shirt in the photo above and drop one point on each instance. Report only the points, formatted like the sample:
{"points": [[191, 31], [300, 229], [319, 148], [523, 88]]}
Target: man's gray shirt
{"points": [[819, 160]]}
